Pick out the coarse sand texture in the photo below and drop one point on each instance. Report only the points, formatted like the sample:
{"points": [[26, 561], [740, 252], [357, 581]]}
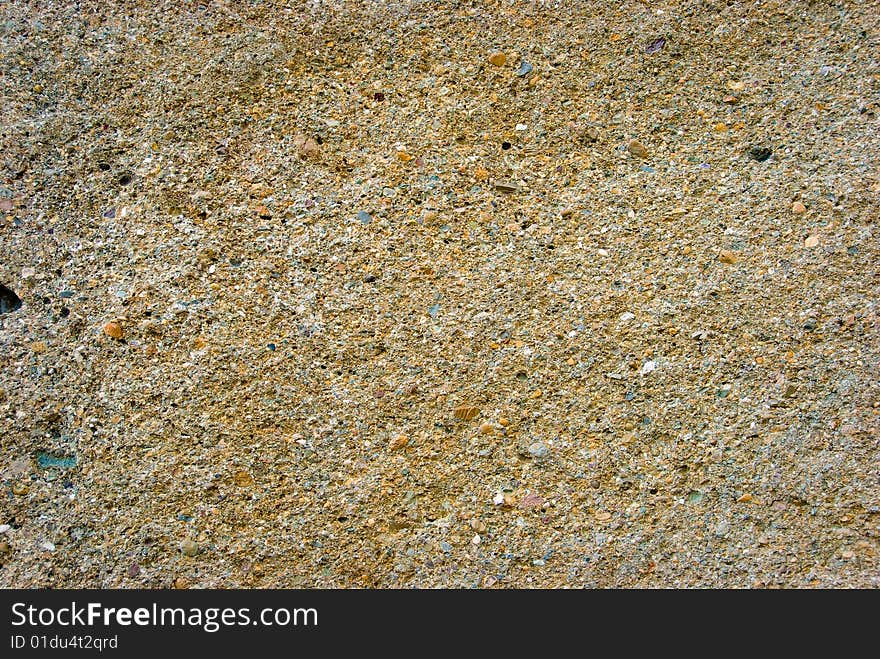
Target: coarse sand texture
{"points": [[439, 294]]}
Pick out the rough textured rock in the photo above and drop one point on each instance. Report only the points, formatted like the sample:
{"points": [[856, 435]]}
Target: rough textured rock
{"points": [[329, 227]]}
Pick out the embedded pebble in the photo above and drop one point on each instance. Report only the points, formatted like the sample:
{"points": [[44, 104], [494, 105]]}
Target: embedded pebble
{"points": [[113, 329], [656, 45], [9, 301], [587, 134], [539, 450], [760, 153], [524, 68], [466, 412], [398, 442], [243, 478], [189, 547], [507, 186], [530, 501], [498, 59], [637, 149], [307, 147]]}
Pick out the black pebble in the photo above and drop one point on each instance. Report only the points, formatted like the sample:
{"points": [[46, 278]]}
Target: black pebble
{"points": [[369, 279], [9, 301], [760, 153]]}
